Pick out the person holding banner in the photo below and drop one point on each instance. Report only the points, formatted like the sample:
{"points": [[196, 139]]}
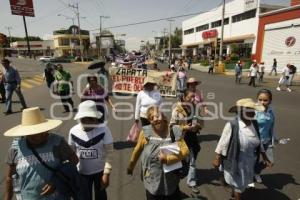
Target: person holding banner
{"points": [[147, 97]]}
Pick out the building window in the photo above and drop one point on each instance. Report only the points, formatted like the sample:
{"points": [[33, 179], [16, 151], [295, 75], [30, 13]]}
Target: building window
{"points": [[216, 24], [202, 28], [219, 23], [64, 42], [243, 16], [189, 31]]}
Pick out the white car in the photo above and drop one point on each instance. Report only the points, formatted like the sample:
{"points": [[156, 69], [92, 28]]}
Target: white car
{"points": [[45, 58]]}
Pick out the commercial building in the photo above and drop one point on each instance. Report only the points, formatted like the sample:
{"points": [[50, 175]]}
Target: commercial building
{"points": [[67, 41], [279, 37], [241, 18], [37, 48]]}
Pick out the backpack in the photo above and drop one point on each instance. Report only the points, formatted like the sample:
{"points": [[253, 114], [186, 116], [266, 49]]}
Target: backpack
{"points": [[184, 170]]}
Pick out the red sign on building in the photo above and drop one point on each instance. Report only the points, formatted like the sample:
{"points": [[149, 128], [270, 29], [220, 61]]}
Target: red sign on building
{"points": [[210, 34], [22, 7]]}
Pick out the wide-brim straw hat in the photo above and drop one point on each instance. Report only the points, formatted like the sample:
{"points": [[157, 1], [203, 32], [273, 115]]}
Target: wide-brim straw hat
{"points": [[88, 109], [150, 80], [33, 122], [247, 103], [193, 80]]}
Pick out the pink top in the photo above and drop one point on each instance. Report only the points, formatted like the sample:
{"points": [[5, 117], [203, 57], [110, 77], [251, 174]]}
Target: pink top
{"points": [[181, 74], [198, 96]]}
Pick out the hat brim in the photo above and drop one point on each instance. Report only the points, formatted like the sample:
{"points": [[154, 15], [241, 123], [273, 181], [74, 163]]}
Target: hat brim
{"points": [[259, 108], [22, 130], [197, 82], [80, 115]]}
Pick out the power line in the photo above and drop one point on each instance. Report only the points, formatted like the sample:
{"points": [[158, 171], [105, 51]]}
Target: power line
{"points": [[150, 21]]}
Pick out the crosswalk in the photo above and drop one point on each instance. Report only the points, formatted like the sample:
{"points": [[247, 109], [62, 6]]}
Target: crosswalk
{"points": [[32, 82]]}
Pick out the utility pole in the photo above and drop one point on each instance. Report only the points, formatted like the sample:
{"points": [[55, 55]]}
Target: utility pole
{"points": [[222, 34], [76, 10], [170, 44], [8, 29], [164, 42], [100, 30]]}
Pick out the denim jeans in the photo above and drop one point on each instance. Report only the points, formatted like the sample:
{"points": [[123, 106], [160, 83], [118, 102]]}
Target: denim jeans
{"points": [[9, 89], [191, 179], [181, 84]]}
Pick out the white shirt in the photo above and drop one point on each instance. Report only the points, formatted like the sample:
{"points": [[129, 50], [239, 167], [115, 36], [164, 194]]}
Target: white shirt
{"points": [[144, 100], [253, 71], [261, 68], [286, 71], [89, 147], [224, 141]]}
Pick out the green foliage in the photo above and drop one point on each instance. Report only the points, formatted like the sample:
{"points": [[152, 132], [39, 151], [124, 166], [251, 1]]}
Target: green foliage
{"points": [[176, 39], [204, 62]]}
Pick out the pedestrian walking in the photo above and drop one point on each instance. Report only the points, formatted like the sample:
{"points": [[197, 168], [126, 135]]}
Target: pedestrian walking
{"points": [[2, 89], [181, 79], [189, 62], [285, 79], [261, 72], [238, 72], [239, 147], [99, 95], [198, 95], [211, 67], [253, 71], [27, 177], [49, 74], [158, 183], [266, 124], [292, 74], [146, 98], [155, 67], [12, 83], [93, 143], [186, 115], [64, 85], [274, 67]]}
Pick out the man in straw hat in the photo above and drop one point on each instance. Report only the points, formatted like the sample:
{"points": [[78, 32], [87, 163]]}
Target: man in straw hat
{"points": [[239, 147], [93, 144], [12, 83], [26, 176]]}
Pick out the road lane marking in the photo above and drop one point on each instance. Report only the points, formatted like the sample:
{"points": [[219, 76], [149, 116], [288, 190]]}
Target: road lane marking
{"points": [[33, 81], [26, 85]]}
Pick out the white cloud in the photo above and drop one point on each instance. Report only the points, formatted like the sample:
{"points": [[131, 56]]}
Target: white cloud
{"points": [[47, 36], [133, 43]]}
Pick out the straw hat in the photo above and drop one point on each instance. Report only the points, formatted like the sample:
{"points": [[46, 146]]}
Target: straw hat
{"points": [[149, 79], [193, 80], [33, 122], [247, 103], [88, 109]]}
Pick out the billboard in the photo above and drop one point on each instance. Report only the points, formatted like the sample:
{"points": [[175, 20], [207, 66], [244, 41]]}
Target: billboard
{"points": [[22, 7], [107, 42]]}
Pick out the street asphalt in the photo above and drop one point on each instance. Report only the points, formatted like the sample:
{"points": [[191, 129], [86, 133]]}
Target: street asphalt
{"points": [[279, 183]]}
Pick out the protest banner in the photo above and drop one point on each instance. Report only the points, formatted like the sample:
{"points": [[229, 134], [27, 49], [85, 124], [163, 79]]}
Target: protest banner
{"points": [[130, 81]]}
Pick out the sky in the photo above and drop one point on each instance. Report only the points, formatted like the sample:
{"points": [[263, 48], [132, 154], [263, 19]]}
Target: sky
{"points": [[120, 12]]}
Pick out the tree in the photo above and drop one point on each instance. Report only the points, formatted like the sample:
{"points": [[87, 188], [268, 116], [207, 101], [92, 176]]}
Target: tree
{"points": [[176, 39]]}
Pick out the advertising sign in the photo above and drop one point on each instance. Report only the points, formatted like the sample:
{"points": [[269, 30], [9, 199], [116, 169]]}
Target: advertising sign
{"points": [[131, 81], [22, 7], [210, 34], [250, 5], [107, 42]]}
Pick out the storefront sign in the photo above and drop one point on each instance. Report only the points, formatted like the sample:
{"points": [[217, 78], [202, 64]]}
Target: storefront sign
{"points": [[210, 34], [250, 5], [22, 7], [131, 81], [290, 41]]}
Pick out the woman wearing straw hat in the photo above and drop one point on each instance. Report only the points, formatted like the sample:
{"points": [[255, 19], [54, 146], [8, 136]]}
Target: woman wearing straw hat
{"points": [[26, 176], [239, 147], [147, 97]]}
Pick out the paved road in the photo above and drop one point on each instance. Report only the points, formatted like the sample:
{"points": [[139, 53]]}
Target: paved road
{"points": [[279, 183]]}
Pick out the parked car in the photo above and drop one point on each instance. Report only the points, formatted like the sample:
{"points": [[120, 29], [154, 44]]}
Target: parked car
{"points": [[45, 58], [61, 59]]}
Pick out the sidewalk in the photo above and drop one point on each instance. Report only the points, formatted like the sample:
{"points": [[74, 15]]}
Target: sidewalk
{"points": [[199, 67]]}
